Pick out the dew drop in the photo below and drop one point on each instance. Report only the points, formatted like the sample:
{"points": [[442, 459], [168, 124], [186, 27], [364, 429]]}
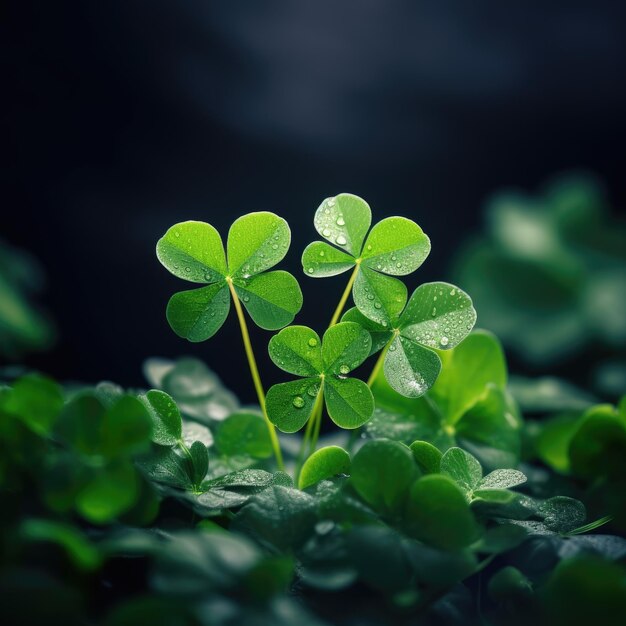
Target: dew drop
{"points": [[444, 341], [298, 402], [310, 270], [369, 246], [434, 311], [340, 221], [331, 202], [274, 246], [312, 342], [344, 369], [187, 269], [377, 305], [312, 391], [327, 211], [246, 298], [326, 232], [370, 296], [398, 265], [322, 253], [453, 292], [341, 240], [176, 234]]}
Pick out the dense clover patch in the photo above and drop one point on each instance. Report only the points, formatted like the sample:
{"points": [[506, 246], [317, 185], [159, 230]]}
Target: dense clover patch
{"points": [[433, 487]]}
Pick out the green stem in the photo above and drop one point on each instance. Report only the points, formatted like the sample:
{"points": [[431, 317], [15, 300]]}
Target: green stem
{"points": [[344, 297], [316, 428], [254, 371], [378, 364], [307, 433], [591, 526]]}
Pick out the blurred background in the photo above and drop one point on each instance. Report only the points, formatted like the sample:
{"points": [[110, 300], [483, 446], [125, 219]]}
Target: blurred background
{"points": [[126, 117]]}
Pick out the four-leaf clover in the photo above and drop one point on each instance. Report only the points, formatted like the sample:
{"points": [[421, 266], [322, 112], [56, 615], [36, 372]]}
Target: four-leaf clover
{"points": [[396, 246], [438, 315], [323, 366], [256, 242]]}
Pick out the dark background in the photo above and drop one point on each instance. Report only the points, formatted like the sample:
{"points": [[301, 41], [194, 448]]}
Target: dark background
{"points": [[125, 117]]}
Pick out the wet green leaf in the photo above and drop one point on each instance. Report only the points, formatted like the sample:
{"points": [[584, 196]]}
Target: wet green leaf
{"points": [[244, 433], [322, 464], [272, 299], [382, 472], [344, 221], [437, 513], [167, 423], [427, 457]]}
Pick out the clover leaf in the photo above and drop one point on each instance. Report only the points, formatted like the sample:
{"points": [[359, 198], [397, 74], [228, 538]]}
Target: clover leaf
{"points": [[437, 315], [256, 242], [323, 367], [466, 471], [396, 246]]}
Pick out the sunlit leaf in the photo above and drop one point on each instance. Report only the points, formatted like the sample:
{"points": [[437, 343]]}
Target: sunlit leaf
{"points": [[344, 221], [193, 251], [256, 242], [167, 424], [320, 260], [198, 314], [396, 246], [272, 299], [322, 464]]}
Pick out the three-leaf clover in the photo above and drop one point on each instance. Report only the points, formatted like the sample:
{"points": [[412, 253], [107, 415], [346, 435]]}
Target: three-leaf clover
{"points": [[396, 246], [437, 315], [324, 367], [256, 242]]}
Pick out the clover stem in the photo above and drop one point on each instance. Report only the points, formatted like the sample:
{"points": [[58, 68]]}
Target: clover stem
{"points": [[310, 426], [256, 379], [344, 297], [316, 429], [378, 364]]}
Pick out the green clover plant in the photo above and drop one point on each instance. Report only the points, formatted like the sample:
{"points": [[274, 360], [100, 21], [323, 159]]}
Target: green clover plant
{"points": [[323, 367], [396, 246], [256, 242], [407, 332], [437, 315]]}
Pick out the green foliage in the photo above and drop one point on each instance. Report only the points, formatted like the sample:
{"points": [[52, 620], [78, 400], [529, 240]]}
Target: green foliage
{"points": [[194, 251], [323, 464], [395, 246], [404, 522], [468, 405], [23, 328], [591, 446], [547, 276], [325, 365], [438, 315], [176, 489], [382, 472]]}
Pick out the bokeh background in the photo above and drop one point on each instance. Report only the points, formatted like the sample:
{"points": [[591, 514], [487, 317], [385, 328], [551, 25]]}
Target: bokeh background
{"points": [[125, 117]]}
